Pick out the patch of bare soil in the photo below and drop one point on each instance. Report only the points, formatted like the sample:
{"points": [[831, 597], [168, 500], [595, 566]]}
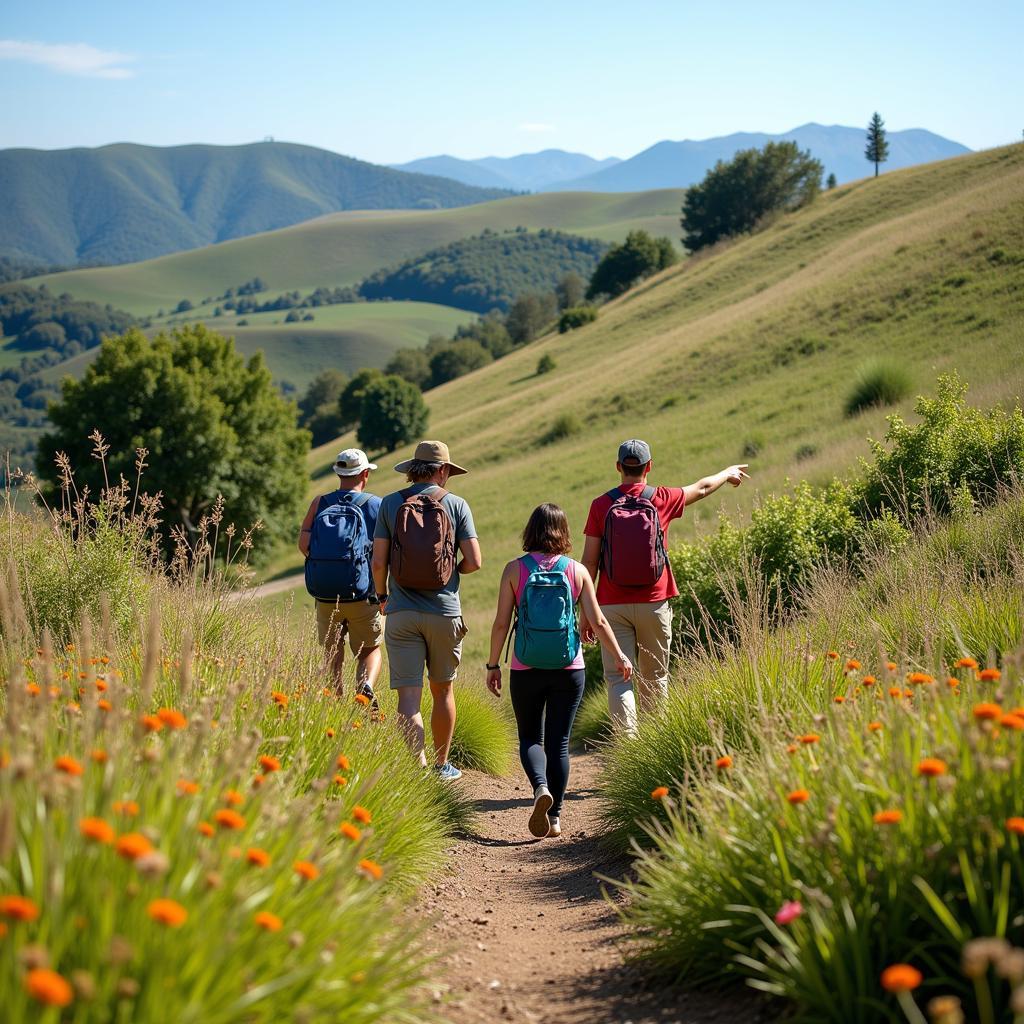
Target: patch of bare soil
{"points": [[528, 932]]}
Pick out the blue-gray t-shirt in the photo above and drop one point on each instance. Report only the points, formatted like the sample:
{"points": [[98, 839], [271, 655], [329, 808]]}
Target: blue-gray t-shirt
{"points": [[434, 602]]}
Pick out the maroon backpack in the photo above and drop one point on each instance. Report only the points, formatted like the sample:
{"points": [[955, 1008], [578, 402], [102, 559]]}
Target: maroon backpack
{"points": [[423, 542], [633, 545]]}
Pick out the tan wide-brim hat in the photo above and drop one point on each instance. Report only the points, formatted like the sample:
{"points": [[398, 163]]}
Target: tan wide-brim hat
{"points": [[431, 451]]}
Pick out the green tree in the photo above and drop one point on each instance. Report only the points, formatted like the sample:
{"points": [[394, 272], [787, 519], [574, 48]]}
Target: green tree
{"points": [[830, 181], [529, 315], [458, 358], [877, 149], [411, 364], [570, 290], [667, 252], [212, 423], [545, 364], [393, 413], [490, 331], [624, 265], [735, 195], [350, 401], [318, 407]]}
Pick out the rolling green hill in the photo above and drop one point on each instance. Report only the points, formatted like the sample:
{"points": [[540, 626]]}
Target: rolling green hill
{"points": [[124, 202], [751, 349], [343, 248]]}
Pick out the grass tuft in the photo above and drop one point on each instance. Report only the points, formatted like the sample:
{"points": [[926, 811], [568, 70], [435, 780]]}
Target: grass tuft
{"points": [[878, 383]]}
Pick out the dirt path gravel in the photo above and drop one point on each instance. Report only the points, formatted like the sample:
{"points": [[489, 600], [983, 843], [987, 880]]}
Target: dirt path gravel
{"points": [[529, 934]]}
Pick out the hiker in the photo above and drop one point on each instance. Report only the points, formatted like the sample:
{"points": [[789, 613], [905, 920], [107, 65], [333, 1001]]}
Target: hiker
{"points": [[421, 531], [336, 538], [626, 555], [547, 674]]}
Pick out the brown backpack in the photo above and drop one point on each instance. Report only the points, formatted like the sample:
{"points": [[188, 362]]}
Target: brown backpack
{"points": [[422, 542]]}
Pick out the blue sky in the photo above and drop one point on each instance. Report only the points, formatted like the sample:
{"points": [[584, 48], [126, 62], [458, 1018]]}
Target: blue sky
{"points": [[392, 81]]}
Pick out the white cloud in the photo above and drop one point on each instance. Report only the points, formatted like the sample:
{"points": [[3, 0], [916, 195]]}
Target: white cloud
{"points": [[69, 58], [536, 127]]}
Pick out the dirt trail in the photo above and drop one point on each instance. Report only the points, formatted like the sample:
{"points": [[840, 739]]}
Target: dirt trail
{"points": [[529, 933]]}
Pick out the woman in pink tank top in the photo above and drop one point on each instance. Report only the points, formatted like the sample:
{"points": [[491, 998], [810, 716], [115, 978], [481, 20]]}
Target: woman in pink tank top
{"points": [[547, 675]]}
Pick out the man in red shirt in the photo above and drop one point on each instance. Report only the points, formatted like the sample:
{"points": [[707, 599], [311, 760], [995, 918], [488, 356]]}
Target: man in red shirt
{"points": [[639, 614]]}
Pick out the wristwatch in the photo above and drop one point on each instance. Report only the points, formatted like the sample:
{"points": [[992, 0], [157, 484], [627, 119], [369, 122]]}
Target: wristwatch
{"points": [[492, 668], [381, 598]]}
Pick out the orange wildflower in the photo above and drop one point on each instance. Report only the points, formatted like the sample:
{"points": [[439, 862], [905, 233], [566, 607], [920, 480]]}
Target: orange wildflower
{"points": [[349, 831], [852, 665], [931, 767], [901, 978], [361, 698], [792, 748], [371, 869], [104, 705], [833, 655], [811, 737], [151, 723], [874, 726], [129, 808], [172, 718], [1015, 825], [868, 681], [258, 780], [133, 845], [343, 763], [659, 793], [330, 734], [260, 858], [168, 912], [340, 780], [48, 987], [32, 689], [97, 755], [952, 682], [280, 699], [68, 765], [268, 921], [839, 700], [96, 829], [987, 712], [1012, 721], [891, 666], [187, 787], [270, 764], [227, 818], [966, 663], [895, 691], [101, 685], [798, 796], [205, 828], [989, 675], [920, 678], [307, 869], [725, 761], [233, 798], [890, 817], [18, 908], [361, 814]]}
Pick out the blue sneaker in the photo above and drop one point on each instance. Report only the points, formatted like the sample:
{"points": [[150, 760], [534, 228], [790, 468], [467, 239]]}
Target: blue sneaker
{"points": [[448, 771]]}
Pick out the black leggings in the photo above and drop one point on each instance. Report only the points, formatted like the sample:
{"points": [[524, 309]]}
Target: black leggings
{"points": [[545, 701]]}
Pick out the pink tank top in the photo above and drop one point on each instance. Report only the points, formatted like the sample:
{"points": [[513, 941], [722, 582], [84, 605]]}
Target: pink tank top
{"points": [[572, 571]]}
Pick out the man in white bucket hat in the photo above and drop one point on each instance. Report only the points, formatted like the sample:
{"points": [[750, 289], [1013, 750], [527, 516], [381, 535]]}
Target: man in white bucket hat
{"points": [[336, 539]]}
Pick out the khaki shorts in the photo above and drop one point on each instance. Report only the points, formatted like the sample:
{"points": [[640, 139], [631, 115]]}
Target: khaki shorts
{"points": [[358, 621], [418, 642]]}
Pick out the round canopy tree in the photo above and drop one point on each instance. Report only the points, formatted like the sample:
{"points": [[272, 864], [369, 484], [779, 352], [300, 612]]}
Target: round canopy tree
{"points": [[393, 413], [212, 422]]}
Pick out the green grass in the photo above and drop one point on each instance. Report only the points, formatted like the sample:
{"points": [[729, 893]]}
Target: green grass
{"points": [[881, 382], [342, 248], [757, 340]]}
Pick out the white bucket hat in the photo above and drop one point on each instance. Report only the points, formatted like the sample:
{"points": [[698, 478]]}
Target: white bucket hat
{"points": [[352, 462]]}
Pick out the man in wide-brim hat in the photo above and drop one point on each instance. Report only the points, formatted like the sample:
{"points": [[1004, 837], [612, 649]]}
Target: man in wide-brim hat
{"points": [[423, 624]]}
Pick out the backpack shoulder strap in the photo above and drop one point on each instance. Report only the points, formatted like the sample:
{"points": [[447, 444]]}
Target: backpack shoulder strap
{"points": [[530, 562], [406, 493], [648, 492], [561, 565], [360, 498], [439, 495], [615, 493]]}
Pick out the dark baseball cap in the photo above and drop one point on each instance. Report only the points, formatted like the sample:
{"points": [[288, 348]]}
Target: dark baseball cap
{"points": [[634, 453]]}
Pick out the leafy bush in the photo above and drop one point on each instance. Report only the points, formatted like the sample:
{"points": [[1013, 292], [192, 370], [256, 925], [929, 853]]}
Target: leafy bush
{"points": [[624, 265], [545, 364], [565, 426], [576, 316], [882, 382]]}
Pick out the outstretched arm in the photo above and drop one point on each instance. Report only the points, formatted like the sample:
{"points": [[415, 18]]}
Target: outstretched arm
{"points": [[501, 626], [734, 475]]}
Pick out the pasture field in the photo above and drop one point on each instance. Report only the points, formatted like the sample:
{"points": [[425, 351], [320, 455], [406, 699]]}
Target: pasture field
{"points": [[342, 248], [746, 354]]}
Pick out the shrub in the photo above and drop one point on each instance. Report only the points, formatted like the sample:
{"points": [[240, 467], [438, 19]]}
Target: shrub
{"points": [[565, 426], [545, 364], [753, 446], [483, 734], [592, 723], [805, 452], [882, 382], [576, 316]]}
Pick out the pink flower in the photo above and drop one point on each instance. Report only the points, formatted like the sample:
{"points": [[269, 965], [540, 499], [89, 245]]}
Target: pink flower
{"points": [[789, 912]]}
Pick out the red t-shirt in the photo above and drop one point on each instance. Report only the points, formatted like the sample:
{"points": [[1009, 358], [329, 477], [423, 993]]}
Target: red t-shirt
{"points": [[670, 502]]}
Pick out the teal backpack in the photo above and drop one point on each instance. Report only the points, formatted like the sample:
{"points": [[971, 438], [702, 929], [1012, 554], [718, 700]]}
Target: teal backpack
{"points": [[547, 635]]}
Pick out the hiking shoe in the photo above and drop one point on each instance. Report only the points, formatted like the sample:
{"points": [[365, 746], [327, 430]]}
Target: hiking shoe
{"points": [[542, 801], [448, 771], [366, 690], [554, 828]]}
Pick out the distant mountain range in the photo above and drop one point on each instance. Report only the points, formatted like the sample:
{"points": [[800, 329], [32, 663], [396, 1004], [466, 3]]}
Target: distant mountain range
{"points": [[679, 164], [530, 172], [122, 203]]}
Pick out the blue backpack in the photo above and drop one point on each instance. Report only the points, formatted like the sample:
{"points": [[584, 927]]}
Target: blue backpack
{"points": [[338, 564], [547, 635]]}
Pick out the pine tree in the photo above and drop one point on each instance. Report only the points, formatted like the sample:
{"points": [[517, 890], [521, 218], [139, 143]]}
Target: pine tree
{"points": [[877, 149]]}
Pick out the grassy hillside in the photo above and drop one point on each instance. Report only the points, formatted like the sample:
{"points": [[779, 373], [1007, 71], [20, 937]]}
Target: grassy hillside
{"points": [[343, 248], [125, 202], [750, 349]]}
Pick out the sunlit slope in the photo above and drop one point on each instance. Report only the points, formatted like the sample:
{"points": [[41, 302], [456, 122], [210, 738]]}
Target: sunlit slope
{"points": [[751, 348], [343, 248]]}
